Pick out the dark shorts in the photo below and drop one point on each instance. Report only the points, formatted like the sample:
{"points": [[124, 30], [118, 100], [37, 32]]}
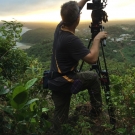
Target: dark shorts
{"points": [[82, 81]]}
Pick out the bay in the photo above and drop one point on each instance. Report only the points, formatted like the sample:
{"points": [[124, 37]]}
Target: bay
{"points": [[22, 45], [24, 29]]}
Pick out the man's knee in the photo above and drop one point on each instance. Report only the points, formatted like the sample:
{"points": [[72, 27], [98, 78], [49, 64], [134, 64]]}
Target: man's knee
{"points": [[94, 76], [90, 75]]}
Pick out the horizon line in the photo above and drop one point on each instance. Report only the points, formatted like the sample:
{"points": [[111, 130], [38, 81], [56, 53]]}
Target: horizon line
{"points": [[81, 21]]}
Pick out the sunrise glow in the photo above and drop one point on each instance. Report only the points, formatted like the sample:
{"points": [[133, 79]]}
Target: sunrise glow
{"points": [[116, 10]]}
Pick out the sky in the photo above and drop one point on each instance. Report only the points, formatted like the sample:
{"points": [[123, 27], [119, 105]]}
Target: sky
{"points": [[49, 10]]}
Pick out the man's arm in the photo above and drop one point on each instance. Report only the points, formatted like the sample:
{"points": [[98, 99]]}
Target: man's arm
{"points": [[92, 57], [82, 3]]}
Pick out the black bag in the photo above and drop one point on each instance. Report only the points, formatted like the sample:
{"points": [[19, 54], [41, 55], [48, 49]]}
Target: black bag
{"points": [[46, 78], [47, 75]]}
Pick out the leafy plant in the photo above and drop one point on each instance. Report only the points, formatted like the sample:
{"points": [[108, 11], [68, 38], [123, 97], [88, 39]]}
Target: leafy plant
{"points": [[23, 112], [13, 62]]}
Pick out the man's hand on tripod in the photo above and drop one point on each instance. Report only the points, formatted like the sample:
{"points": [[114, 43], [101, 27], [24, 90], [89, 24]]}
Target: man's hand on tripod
{"points": [[101, 35], [92, 57]]}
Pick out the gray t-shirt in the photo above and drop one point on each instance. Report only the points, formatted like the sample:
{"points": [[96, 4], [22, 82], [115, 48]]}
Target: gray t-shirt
{"points": [[67, 51]]}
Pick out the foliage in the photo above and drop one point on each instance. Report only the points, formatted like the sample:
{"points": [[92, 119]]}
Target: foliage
{"points": [[124, 100], [20, 80], [23, 112], [13, 62], [43, 52], [25, 108], [10, 31], [115, 31]]}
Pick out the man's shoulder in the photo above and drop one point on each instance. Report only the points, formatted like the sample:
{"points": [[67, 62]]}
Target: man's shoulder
{"points": [[74, 39]]}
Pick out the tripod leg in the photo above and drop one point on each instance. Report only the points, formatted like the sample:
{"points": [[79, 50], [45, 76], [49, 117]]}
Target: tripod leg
{"points": [[110, 106]]}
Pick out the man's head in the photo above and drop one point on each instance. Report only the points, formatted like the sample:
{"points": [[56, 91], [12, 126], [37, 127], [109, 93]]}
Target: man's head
{"points": [[70, 12]]}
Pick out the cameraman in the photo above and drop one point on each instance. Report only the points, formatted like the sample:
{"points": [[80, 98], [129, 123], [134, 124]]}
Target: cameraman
{"points": [[67, 51]]}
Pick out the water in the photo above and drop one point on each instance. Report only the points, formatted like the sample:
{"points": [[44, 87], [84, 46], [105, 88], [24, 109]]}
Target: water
{"points": [[24, 29], [22, 45]]}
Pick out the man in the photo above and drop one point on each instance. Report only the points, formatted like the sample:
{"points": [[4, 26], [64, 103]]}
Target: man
{"points": [[67, 51]]}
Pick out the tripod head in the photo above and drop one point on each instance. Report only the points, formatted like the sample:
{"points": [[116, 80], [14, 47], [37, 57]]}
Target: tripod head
{"points": [[97, 15]]}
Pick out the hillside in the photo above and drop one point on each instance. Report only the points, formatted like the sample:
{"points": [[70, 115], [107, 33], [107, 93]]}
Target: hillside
{"points": [[41, 51], [120, 42], [37, 35]]}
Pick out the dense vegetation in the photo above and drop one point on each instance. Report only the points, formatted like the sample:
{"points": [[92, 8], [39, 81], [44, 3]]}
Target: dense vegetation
{"points": [[26, 108]]}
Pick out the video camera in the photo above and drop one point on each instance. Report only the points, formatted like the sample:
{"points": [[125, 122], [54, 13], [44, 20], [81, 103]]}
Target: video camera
{"points": [[96, 5], [97, 15]]}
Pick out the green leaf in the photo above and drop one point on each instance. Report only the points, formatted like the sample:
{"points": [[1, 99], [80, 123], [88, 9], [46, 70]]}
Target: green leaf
{"points": [[18, 90], [107, 97], [115, 103], [15, 105], [121, 130], [21, 98], [31, 101], [45, 110], [33, 106], [30, 83], [33, 120]]}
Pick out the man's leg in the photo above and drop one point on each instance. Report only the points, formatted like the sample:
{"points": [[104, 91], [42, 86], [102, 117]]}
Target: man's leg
{"points": [[91, 82], [62, 103]]}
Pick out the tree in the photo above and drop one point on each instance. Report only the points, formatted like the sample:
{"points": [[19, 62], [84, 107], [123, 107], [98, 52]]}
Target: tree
{"points": [[13, 61]]}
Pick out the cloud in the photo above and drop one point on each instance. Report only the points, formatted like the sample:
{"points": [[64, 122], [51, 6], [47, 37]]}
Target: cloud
{"points": [[120, 3], [17, 7], [50, 9]]}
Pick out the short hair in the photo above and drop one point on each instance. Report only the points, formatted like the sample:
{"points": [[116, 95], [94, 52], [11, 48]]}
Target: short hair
{"points": [[70, 11]]}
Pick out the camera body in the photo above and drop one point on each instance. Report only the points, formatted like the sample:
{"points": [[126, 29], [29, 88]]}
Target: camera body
{"points": [[95, 5], [97, 15]]}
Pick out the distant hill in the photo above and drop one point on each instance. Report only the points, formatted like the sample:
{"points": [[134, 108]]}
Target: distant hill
{"points": [[45, 31], [38, 35]]}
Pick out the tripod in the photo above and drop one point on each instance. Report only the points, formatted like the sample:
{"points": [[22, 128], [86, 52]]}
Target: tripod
{"points": [[103, 74]]}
